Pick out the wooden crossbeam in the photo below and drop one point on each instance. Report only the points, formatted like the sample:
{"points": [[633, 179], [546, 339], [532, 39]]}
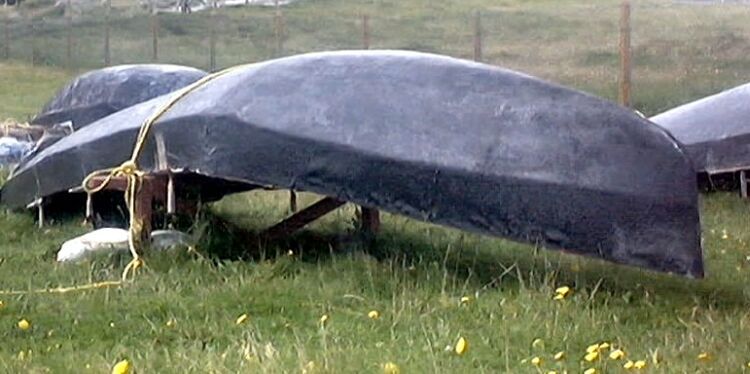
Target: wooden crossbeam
{"points": [[302, 218]]}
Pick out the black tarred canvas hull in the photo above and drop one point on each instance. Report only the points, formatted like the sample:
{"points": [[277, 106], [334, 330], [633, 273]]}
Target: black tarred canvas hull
{"points": [[99, 93], [715, 131], [434, 138]]}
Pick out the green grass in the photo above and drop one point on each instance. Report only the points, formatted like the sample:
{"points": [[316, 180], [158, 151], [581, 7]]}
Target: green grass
{"points": [[680, 52], [26, 90], [414, 274]]}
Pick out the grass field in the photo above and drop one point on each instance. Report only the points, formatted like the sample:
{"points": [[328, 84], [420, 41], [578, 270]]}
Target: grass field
{"points": [[680, 51], [180, 314]]}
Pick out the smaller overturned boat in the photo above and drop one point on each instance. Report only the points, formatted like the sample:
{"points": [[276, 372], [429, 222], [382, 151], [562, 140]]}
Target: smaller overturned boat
{"points": [[99, 93], [715, 130]]}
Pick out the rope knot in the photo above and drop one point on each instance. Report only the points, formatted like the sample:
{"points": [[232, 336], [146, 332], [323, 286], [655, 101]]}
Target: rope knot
{"points": [[128, 168]]}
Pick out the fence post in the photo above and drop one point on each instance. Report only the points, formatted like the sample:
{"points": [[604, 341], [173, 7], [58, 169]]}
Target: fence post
{"points": [[33, 40], [625, 51], [366, 31], [477, 36], [212, 39], [278, 29], [155, 35], [6, 45], [69, 37], [107, 53]]}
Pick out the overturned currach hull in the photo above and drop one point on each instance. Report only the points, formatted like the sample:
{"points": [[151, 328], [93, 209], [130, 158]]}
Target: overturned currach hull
{"points": [[99, 93], [438, 139], [715, 130]]}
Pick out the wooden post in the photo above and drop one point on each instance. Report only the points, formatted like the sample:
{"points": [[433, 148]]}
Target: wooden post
{"points": [[69, 38], [743, 184], [150, 189], [477, 36], [212, 39], [366, 31], [107, 53], [370, 217], [144, 209], [292, 201], [6, 45], [33, 41], [155, 35], [40, 213], [278, 29], [89, 219], [625, 65]]}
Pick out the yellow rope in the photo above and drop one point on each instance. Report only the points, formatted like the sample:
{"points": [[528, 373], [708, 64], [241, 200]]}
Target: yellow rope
{"points": [[134, 175], [84, 287]]}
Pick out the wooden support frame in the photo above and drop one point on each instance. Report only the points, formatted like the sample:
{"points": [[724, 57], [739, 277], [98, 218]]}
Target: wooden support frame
{"points": [[743, 184], [292, 201], [152, 189], [155, 188], [302, 218], [369, 220]]}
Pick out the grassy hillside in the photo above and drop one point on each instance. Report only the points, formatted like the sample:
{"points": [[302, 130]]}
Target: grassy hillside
{"points": [[681, 52], [180, 315], [25, 90]]}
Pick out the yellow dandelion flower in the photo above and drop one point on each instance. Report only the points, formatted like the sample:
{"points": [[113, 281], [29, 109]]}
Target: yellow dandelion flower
{"points": [[465, 300], [640, 364], [241, 319], [324, 319], [724, 234], [24, 324], [564, 291], [559, 356], [391, 368], [374, 314], [536, 361], [617, 354], [310, 367], [591, 356], [590, 371], [558, 297], [461, 346], [2, 304], [551, 372], [628, 365], [537, 343], [704, 356], [592, 348], [604, 345], [171, 322], [122, 367], [748, 364]]}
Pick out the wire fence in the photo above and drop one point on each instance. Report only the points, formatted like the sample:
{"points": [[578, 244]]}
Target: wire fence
{"points": [[674, 50]]}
